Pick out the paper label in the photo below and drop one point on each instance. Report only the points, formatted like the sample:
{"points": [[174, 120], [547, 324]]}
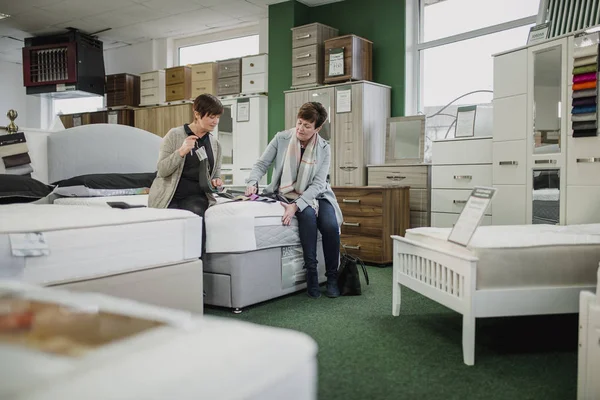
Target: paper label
{"points": [[113, 117], [336, 62], [32, 244], [292, 267]]}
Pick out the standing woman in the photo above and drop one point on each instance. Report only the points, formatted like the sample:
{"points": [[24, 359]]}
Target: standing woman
{"points": [[189, 162], [301, 163]]}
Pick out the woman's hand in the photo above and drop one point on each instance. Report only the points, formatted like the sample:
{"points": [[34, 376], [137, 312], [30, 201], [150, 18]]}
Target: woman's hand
{"points": [[217, 182], [188, 144], [288, 214], [250, 190]]}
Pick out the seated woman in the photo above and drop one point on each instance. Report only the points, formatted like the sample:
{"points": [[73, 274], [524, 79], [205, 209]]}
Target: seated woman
{"points": [[189, 163], [302, 160]]}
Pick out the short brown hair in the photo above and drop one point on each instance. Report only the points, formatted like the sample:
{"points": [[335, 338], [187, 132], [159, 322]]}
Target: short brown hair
{"points": [[208, 104], [313, 112]]}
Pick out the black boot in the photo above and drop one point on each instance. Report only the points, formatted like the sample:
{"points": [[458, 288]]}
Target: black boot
{"points": [[312, 283], [332, 287]]}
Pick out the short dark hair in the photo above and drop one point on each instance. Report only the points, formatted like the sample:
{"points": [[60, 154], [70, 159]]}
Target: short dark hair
{"points": [[208, 104], [313, 112]]}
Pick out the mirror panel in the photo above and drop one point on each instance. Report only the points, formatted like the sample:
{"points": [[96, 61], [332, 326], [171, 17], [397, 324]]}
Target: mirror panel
{"points": [[225, 134], [547, 81], [324, 97], [546, 196], [405, 139]]}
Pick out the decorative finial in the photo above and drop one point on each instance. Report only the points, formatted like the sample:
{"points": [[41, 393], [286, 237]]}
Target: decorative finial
{"points": [[12, 127]]}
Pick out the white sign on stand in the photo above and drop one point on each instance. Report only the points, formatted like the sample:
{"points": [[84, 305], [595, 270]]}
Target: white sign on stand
{"points": [[471, 216]]}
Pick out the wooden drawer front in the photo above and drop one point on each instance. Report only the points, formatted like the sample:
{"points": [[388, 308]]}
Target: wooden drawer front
{"points": [[363, 226], [460, 176], [366, 248], [451, 200], [227, 86], [150, 96], [116, 99], [152, 79], [178, 92], [305, 75], [306, 55], [116, 82], [447, 220], [201, 87], [255, 64], [305, 35], [413, 176], [176, 75], [419, 199], [468, 151], [510, 74], [359, 202], [510, 163], [229, 68], [583, 205], [256, 83], [419, 219], [510, 118], [583, 161], [203, 72]]}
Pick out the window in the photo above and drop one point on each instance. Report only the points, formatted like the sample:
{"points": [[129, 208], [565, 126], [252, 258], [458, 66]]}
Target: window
{"points": [[221, 50], [77, 105]]}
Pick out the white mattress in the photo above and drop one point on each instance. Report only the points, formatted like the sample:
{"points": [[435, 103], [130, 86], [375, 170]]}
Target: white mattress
{"points": [[247, 226], [206, 358], [140, 199], [91, 242], [546, 195], [527, 255]]}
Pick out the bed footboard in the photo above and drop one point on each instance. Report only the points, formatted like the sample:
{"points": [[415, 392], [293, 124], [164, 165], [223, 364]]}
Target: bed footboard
{"points": [[588, 369]]}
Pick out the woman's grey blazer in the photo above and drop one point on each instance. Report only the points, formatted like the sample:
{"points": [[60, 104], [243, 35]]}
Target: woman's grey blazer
{"points": [[318, 187]]}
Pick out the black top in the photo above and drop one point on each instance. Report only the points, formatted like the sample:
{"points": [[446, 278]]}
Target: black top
{"points": [[189, 183]]}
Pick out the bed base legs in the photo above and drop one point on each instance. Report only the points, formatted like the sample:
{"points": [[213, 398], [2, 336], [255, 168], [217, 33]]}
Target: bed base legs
{"points": [[396, 299], [237, 310], [468, 340]]}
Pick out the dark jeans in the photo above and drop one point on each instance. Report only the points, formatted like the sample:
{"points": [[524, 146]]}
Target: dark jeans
{"points": [[197, 204], [326, 223]]}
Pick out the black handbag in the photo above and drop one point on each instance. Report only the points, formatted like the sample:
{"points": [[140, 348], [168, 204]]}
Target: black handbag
{"points": [[348, 275]]}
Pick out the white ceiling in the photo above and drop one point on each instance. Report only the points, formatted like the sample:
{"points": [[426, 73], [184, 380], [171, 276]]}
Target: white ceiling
{"points": [[125, 21]]}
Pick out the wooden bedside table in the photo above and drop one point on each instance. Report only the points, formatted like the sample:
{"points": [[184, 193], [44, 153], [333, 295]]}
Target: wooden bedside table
{"points": [[371, 215]]}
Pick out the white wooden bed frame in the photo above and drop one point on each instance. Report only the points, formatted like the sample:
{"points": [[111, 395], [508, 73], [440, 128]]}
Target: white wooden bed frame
{"points": [[588, 368], [448, 276]]}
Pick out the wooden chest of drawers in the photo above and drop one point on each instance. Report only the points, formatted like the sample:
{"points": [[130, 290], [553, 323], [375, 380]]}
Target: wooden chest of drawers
{"points": [[357, 59], [122, 90], [152, 88], [417, 177], [229, 74], [178, 83], [123, 117], [307, 54], [159, 120], [371, 215], [204, 79]]}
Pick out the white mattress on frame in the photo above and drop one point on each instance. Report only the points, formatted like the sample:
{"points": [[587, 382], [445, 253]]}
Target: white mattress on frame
{"points": [[91, 242], [140, 199], [527, 255]]}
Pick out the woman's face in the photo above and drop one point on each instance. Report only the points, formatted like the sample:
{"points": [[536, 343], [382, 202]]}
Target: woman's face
{"points": [[305, 130], [208, 122]]}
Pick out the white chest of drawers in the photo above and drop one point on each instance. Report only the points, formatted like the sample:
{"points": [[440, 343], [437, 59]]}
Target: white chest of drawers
{"points": [[255, 76], [458, 165], [152, 88]]}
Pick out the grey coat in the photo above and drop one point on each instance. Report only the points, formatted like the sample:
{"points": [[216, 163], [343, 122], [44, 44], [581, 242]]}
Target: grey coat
{"points": [[170, 166], [318, 187]]}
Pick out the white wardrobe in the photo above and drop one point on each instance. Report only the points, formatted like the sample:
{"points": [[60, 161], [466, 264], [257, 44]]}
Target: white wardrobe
{"points": [[543, 173], [242, 132]]}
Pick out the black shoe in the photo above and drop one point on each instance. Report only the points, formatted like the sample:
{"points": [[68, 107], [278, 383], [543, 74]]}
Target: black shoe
{"points": [[312, 284], [332, 288]]}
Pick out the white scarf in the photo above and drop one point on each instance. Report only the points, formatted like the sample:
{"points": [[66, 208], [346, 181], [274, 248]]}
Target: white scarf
{"points": [[297, 171]]}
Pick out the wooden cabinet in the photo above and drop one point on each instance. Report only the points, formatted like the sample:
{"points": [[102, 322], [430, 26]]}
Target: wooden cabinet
{"points": [[178, 83], [308, 54], [357, 59], [123, 117], [152, 88], [417, 177], [229, 74], [122, 90], [160, 119], [255, 76], [371, 215], [204, 79], [356, 127]]}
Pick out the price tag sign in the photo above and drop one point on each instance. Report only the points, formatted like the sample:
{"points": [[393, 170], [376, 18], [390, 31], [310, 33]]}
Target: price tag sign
{"points": [[336, 62]]}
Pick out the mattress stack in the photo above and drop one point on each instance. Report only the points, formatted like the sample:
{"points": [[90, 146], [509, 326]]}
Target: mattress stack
{"points": [[585, 89], [15, 155]]}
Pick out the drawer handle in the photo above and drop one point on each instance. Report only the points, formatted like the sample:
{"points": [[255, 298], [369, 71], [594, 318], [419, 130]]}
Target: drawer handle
{"points": [[348, 168], [351, 223], [252, 64], [347, 246], [307, 55], [226, 85], [463, 177], [226, 169], [395, 177], [245, 169], [459, 201], [306, 75], [147, 80], [200, 72], [545, 161], [303, 36], [353, 201], [508, 163], [200, 88], [252, 82], [147, 95], [588, 160]]}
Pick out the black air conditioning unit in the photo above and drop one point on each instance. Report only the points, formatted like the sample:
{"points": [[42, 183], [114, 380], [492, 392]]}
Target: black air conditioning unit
{"points": [[65, 65]]}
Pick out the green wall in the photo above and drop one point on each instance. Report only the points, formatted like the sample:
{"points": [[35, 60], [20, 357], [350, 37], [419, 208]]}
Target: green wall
{"points": [[380, 21]]}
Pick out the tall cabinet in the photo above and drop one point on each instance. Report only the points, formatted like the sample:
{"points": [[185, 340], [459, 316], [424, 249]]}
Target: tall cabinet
{"points": [[355, 128]]}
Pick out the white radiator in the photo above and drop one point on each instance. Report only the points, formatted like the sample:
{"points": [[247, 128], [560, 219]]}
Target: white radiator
{"points": [[588, 376]]}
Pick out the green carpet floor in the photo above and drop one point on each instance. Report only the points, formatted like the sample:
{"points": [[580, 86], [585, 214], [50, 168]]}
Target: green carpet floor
{"points": [[366, 353]]}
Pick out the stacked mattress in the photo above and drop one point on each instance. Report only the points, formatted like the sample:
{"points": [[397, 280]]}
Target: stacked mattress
{"points": [[134, 200], [526, 255], [90, 242]]}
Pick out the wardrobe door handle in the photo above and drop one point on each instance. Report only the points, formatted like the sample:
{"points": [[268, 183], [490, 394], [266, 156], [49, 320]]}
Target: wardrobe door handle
{"points": [[353, 201], [459, 201], [588, 160], [245, 169], [508, 163], [545, 161], [351, 223], [463, 177], [348, 169]]}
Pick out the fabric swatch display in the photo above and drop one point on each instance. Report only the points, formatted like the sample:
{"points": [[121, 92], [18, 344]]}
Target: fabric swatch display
{"points": [[584, 114], [15, 154], [16, 160], [26, 169]]}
